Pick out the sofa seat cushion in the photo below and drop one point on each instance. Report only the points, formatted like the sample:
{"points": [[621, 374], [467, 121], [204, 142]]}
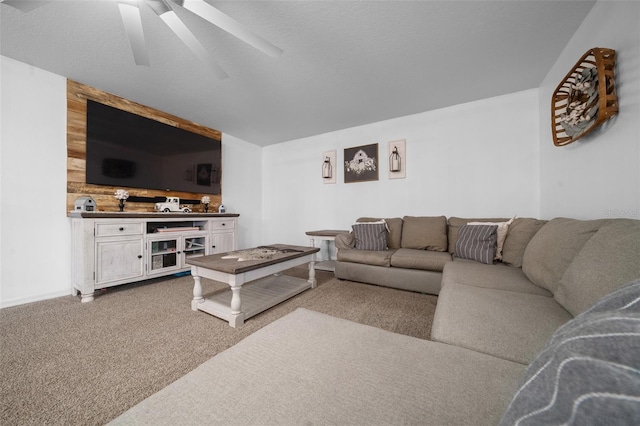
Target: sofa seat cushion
{"points": [[369, 257], [497, 276], [506, 324], [608, 260], [309, 368], [420, 259], [553, 248]]}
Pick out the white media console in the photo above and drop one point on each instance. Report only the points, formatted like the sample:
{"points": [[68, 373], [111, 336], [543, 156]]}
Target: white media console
{"points": [[110, 249]]}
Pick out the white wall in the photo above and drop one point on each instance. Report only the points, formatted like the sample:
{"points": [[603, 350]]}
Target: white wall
{"points": [[598, 175], [475, 159], [241, 188], [35, 231]]}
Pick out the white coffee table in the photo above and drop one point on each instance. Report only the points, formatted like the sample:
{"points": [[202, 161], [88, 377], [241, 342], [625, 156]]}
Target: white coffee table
{"points": [[264, 287]]}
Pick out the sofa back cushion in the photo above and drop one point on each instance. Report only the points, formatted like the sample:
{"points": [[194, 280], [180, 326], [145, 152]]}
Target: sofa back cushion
{"points": [[424, 233], [553, 248], [520, 232], [608, 260], [588, 373], [456, 222], [394, 227]]}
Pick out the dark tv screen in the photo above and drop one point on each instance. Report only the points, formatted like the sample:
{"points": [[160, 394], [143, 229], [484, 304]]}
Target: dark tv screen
{"points": [[126, 149]]}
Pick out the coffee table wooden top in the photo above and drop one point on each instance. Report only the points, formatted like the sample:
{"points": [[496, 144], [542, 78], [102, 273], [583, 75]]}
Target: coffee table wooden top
{"points": [[326, 232], [233, 266]]}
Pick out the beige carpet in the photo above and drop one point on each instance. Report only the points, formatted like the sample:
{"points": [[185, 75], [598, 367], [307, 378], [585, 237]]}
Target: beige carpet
{"points": [[66, 362]]}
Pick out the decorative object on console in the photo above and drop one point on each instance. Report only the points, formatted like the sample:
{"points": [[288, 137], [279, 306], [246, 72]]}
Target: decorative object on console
{"points": [[397, 159], [85, 204], [121, 195], [585, 98], [206, 200], [222, 209], [361, 163], [329, 166]]}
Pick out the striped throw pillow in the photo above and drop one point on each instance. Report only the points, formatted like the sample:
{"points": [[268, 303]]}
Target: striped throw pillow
{"points": [[477, 242], [589, 372], [370, 235]]}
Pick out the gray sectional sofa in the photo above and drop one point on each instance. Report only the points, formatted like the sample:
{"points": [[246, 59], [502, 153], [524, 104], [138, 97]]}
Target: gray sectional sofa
{"points": [[550, 334], [548, 272]]}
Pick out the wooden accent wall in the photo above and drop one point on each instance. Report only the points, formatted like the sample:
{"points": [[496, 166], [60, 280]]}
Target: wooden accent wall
{"points": [[77, 95]]}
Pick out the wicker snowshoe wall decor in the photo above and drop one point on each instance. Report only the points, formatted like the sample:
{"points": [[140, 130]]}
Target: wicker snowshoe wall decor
{"points": [[586, 97]]}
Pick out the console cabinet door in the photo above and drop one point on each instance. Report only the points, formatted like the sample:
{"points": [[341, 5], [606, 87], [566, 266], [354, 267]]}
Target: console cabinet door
{"points": [[164, 254], [119, 259], [222, 242]]}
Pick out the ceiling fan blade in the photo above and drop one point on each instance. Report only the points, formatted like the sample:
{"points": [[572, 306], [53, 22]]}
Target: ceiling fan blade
{"points": [[230, 25], [133, 27], [187, 37], [24, 5]]}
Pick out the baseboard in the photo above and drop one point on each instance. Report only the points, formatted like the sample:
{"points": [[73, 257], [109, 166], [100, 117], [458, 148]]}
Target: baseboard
{"points": [[38, 298]]}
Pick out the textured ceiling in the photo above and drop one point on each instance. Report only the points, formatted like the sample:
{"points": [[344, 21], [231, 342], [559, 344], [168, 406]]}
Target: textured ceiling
{"points": [[344, 63]]}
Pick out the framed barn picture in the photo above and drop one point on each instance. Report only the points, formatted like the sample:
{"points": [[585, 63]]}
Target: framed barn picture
{"points": [[361, 163]]}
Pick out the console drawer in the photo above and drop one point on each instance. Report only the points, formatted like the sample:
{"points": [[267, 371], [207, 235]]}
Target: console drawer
{"points": [[223, 224], [120, 228]]}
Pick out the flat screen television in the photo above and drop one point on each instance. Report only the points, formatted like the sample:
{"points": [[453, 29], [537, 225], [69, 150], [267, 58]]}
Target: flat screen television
{"points": [[126, 149]]}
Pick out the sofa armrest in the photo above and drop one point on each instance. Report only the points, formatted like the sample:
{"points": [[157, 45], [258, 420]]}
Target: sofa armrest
{"points": [[345, 241]]}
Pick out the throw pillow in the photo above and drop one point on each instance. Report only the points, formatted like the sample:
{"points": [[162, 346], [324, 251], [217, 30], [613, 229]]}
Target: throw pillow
{"points": [[477, 242], [454, 224], [370, 235], [588, 373], [503, 227], [394, 226]]}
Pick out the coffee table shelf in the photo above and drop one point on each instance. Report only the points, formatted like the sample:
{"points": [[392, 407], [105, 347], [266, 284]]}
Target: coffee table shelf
{"points": [[257, 296], [265, 286]]}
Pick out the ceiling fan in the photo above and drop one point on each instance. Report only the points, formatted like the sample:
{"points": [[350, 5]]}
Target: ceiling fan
{"points": [[131, 18]]}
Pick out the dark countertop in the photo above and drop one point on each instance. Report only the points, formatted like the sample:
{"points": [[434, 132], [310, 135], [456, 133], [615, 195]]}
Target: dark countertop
{"points": [[145, 215]]}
